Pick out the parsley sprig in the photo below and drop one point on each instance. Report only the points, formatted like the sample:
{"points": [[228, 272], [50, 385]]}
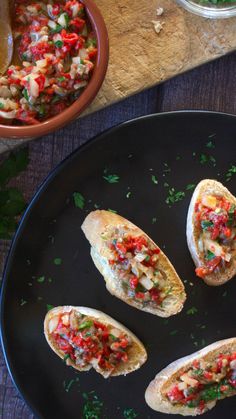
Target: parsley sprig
{"points": [[92, 408], [12, 202], [174, 196], [230, 173]]}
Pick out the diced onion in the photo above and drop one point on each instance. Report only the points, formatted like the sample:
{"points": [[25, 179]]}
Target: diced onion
{"points": [[53, 324], [140, 257], [66, 319], [188, 380], [62, 20], [52, 24], [146, 282], [182, 386], [115, 332]]}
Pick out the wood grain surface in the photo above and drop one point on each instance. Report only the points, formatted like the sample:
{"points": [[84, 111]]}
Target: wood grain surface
{"points": [[140, 58], [211, 87]]}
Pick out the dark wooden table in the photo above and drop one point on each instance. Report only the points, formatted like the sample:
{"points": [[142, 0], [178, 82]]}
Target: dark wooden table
{"points": [[210, 87]]}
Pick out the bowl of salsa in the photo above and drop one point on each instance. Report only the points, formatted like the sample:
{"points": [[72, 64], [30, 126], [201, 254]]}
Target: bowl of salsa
{"points": [[60, 62], [214, 9]]}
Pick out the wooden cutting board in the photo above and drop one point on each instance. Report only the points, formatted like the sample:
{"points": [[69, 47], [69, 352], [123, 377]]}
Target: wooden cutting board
{"points": [[141, 58]]}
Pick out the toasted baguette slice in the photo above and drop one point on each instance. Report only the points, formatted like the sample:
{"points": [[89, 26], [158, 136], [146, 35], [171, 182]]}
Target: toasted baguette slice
{"points": [[100, 227], [136, 352], [155, 394], [206, 187]]}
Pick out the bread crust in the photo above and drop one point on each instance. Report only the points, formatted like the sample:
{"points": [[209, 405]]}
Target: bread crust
{"points": [[207, 186], [95, 226], [137, 352], [155, 392]]}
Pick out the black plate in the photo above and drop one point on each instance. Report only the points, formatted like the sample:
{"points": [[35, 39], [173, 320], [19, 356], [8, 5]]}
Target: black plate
{"points": [[178, 149]]}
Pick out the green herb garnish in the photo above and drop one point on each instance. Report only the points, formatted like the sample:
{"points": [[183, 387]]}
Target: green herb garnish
{"points": [[231, 215], [167, 168], [12, 202], [205, 224], [23, 302], [57, 261], [190, 187], [128, 194], [174, 196], [49, 307], [192, 310], [210, 144], [67, 356], [91, 42], [210, 255], [230, 173], [59, 44], [25, 94], [112, 178], [86, 325], [79, 200], [173, 332], [57, 29], [92, 408], [130, 413], [41, 279], [154, 179], [205, 159]]}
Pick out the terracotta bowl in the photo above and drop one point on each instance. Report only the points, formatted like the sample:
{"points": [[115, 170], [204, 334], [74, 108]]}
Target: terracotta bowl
{"points": [[86, 97]]}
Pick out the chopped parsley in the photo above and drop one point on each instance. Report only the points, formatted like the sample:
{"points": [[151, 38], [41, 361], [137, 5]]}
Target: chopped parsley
{"points": [[49, 307], [192, 310], [130, 413], [85, 325], [112, 178], [190, 187], [111, 210], [154, 179], [67, 356], [25, 94], [230, 173], [57, 261], [57, 29], [166, 168], [231, 214], [205, 224], [173, 332], [154, 220], [1, 105], [210, 144], [79, 200], [92, 408], [207, 159], [128, 194], [174, 196], [224, 294], [12, 201], [59, 44], [210, 255], [41, 279], [22, 302], [67, 386]]}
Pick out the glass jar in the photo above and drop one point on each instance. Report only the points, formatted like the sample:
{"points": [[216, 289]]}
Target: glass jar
{"points": [[215, 9]]}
